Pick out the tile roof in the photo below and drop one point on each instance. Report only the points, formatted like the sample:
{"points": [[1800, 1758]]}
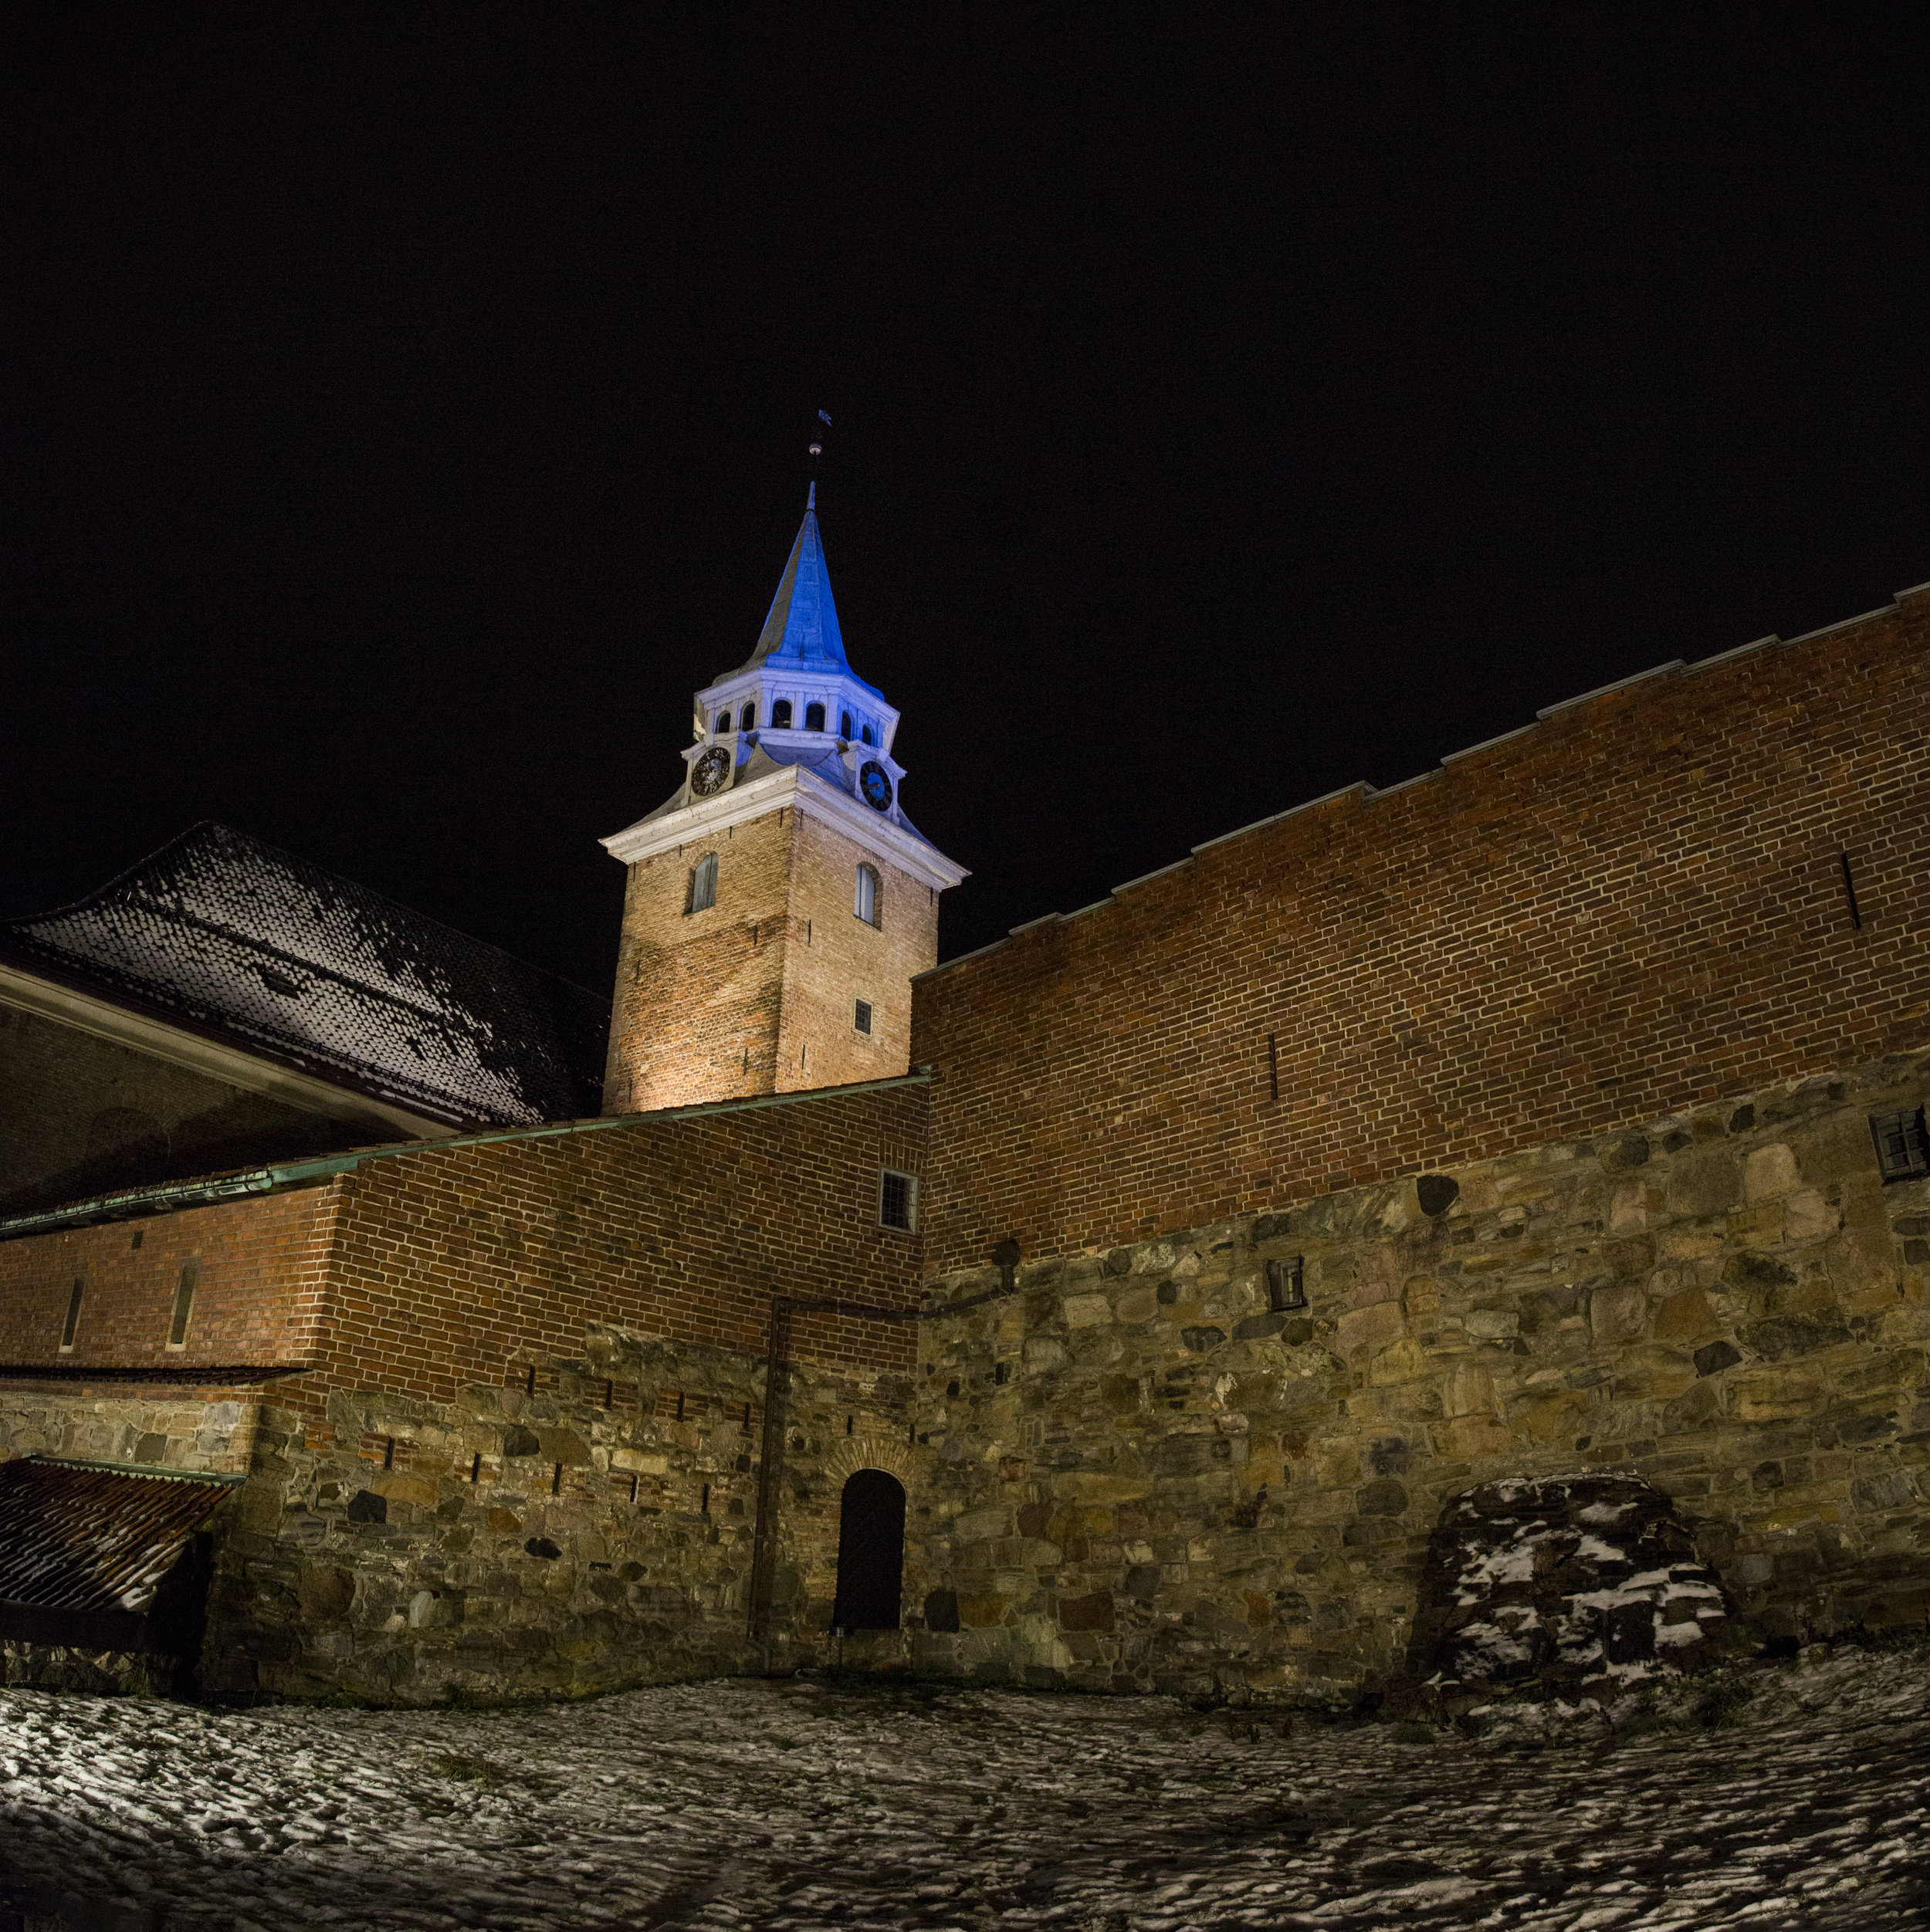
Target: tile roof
{"points": [[92, 1536], [269, 952]]}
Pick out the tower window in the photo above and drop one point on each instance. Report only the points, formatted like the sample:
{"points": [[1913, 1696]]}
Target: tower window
{"points": [[724, 721], [897, 1199], [868, 739], [861, 1016], [780, 714], [184, 1304], [748, 719], [813, 717], [844, 724], [865, 901], [703, 884]]}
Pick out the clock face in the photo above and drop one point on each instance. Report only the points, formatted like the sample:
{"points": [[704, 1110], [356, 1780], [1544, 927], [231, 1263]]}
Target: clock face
{"points": [[875, 783], [711, 772]]}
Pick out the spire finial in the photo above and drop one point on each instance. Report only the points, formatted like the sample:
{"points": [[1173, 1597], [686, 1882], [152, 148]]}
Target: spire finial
{"points": [[817, 450]]}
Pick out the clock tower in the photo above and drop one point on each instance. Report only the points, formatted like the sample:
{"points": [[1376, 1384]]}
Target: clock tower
{"points": [[779, 900]]}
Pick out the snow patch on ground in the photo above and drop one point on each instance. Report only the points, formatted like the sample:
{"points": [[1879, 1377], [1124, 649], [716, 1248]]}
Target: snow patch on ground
{"points": [[805, 1805]]}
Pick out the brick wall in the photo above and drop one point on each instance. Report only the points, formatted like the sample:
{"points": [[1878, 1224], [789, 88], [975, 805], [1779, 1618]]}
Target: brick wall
{"points": [[756, 994], [1634, 907], [259, 1268], [697, 994], [845, 959]]}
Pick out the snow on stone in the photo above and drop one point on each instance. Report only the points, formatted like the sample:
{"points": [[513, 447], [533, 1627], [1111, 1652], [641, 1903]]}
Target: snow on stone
{"points": [[806, 1805]]}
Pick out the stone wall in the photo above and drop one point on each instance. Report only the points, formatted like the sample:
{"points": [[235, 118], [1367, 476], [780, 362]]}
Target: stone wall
{"points": [[587, 1523], [1633, 907], [1142, 1477]]}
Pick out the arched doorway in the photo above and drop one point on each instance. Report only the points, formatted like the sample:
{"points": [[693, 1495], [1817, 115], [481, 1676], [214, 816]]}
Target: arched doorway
{"points": [[870, 1553]]}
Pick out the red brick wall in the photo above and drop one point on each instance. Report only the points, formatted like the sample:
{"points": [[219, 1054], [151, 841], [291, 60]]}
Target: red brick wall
{"points": [[258, 1295], [1636, 907], [451, 1263]]}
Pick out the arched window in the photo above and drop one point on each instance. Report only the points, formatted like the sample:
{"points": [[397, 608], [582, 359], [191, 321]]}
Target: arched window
{"points": [[864, 903], [870, 1553], [813, 717], [703, 884], [748, 719], [724, 721], [868, 739], [780, 714], [844, 724]]}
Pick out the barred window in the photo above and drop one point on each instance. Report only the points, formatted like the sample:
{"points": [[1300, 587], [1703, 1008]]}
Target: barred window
{"points": [[897, 1199], [703, 884], [864, 899], [861, 1015], [1903, 1149]]}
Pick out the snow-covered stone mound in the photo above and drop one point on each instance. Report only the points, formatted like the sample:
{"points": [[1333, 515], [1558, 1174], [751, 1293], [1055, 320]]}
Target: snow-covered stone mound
{"points": [[1567, 1585]]}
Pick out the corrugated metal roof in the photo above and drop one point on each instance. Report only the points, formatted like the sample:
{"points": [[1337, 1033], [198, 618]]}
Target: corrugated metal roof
{"points": [[291, 961], [77, 1535]]}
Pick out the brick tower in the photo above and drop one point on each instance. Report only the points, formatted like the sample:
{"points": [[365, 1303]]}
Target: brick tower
{"points": [[779, 901]]}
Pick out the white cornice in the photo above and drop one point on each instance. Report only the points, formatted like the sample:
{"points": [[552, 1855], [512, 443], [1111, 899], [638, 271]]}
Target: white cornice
{"points": [[85, 1012], [793, 785]]}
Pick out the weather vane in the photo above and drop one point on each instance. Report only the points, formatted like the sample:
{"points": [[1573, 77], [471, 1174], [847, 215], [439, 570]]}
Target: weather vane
{"points": [[817, 447]]}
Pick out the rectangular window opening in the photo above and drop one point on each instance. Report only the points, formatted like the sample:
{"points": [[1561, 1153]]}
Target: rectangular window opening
{"points": [[703, 885], [389, 1452], [897, 1199], [476, 1468], [1903, 1149], [184, 1303], [73, 1322], [861, 1016], [1286, 1285], [556, 1481], [703, 1508]]}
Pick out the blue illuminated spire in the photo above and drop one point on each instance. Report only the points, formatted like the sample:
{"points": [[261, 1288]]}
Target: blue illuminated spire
{"points": [[802, 627]]}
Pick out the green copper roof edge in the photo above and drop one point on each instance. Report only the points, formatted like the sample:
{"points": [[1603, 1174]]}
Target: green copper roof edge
{"points": [[172, 1195], [150, 1470]]}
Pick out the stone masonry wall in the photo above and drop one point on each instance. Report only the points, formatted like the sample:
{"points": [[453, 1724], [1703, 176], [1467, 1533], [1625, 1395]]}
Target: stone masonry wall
{"points": [[1139, 1477], [586, 1523], [1632, 908]]}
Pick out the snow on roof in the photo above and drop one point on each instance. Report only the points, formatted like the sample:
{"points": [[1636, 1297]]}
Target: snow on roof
{"points": [[81, 1536], [274, 954]]}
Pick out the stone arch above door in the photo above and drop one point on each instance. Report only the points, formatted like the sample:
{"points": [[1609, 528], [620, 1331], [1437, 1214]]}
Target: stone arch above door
{"points": [[855, 1452]]}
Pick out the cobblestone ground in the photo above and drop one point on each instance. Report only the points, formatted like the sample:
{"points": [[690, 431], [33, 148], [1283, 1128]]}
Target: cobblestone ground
{"points": [[1787, 1795]]}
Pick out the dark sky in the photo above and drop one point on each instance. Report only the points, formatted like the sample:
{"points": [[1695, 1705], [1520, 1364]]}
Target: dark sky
{"points": [[405, 408]]}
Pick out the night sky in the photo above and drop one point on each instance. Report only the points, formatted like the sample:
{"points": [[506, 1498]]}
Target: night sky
{"points": [[405, 408]]}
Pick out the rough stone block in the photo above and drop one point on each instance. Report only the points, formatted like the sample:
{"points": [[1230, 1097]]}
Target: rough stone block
{"points": [[1370, 1327], [1087, 1311]]}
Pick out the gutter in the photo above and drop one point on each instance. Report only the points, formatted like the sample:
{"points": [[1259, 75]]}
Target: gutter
{"points": [[171, 1196]]}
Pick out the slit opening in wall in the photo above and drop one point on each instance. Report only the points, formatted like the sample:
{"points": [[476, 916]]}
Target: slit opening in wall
{"points": [[703, 1505], [184, 1303], [389, 1452], [556, 1481], [1273, 1066], [476, 1468], [72, 1322], [633, 1488], [1849, 892]]}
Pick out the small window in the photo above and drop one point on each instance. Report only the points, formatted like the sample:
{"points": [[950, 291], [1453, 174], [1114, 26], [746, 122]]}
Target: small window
{"points": [[1286, 1285], [1903, 1149], [897, 1199], [184, 1304], [780, 714], [724, 721], [703, 884], [748, 719], [73, 1322], [844, 724], [868, 739], [864, 901], [813, 717], [861, 1016]]}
